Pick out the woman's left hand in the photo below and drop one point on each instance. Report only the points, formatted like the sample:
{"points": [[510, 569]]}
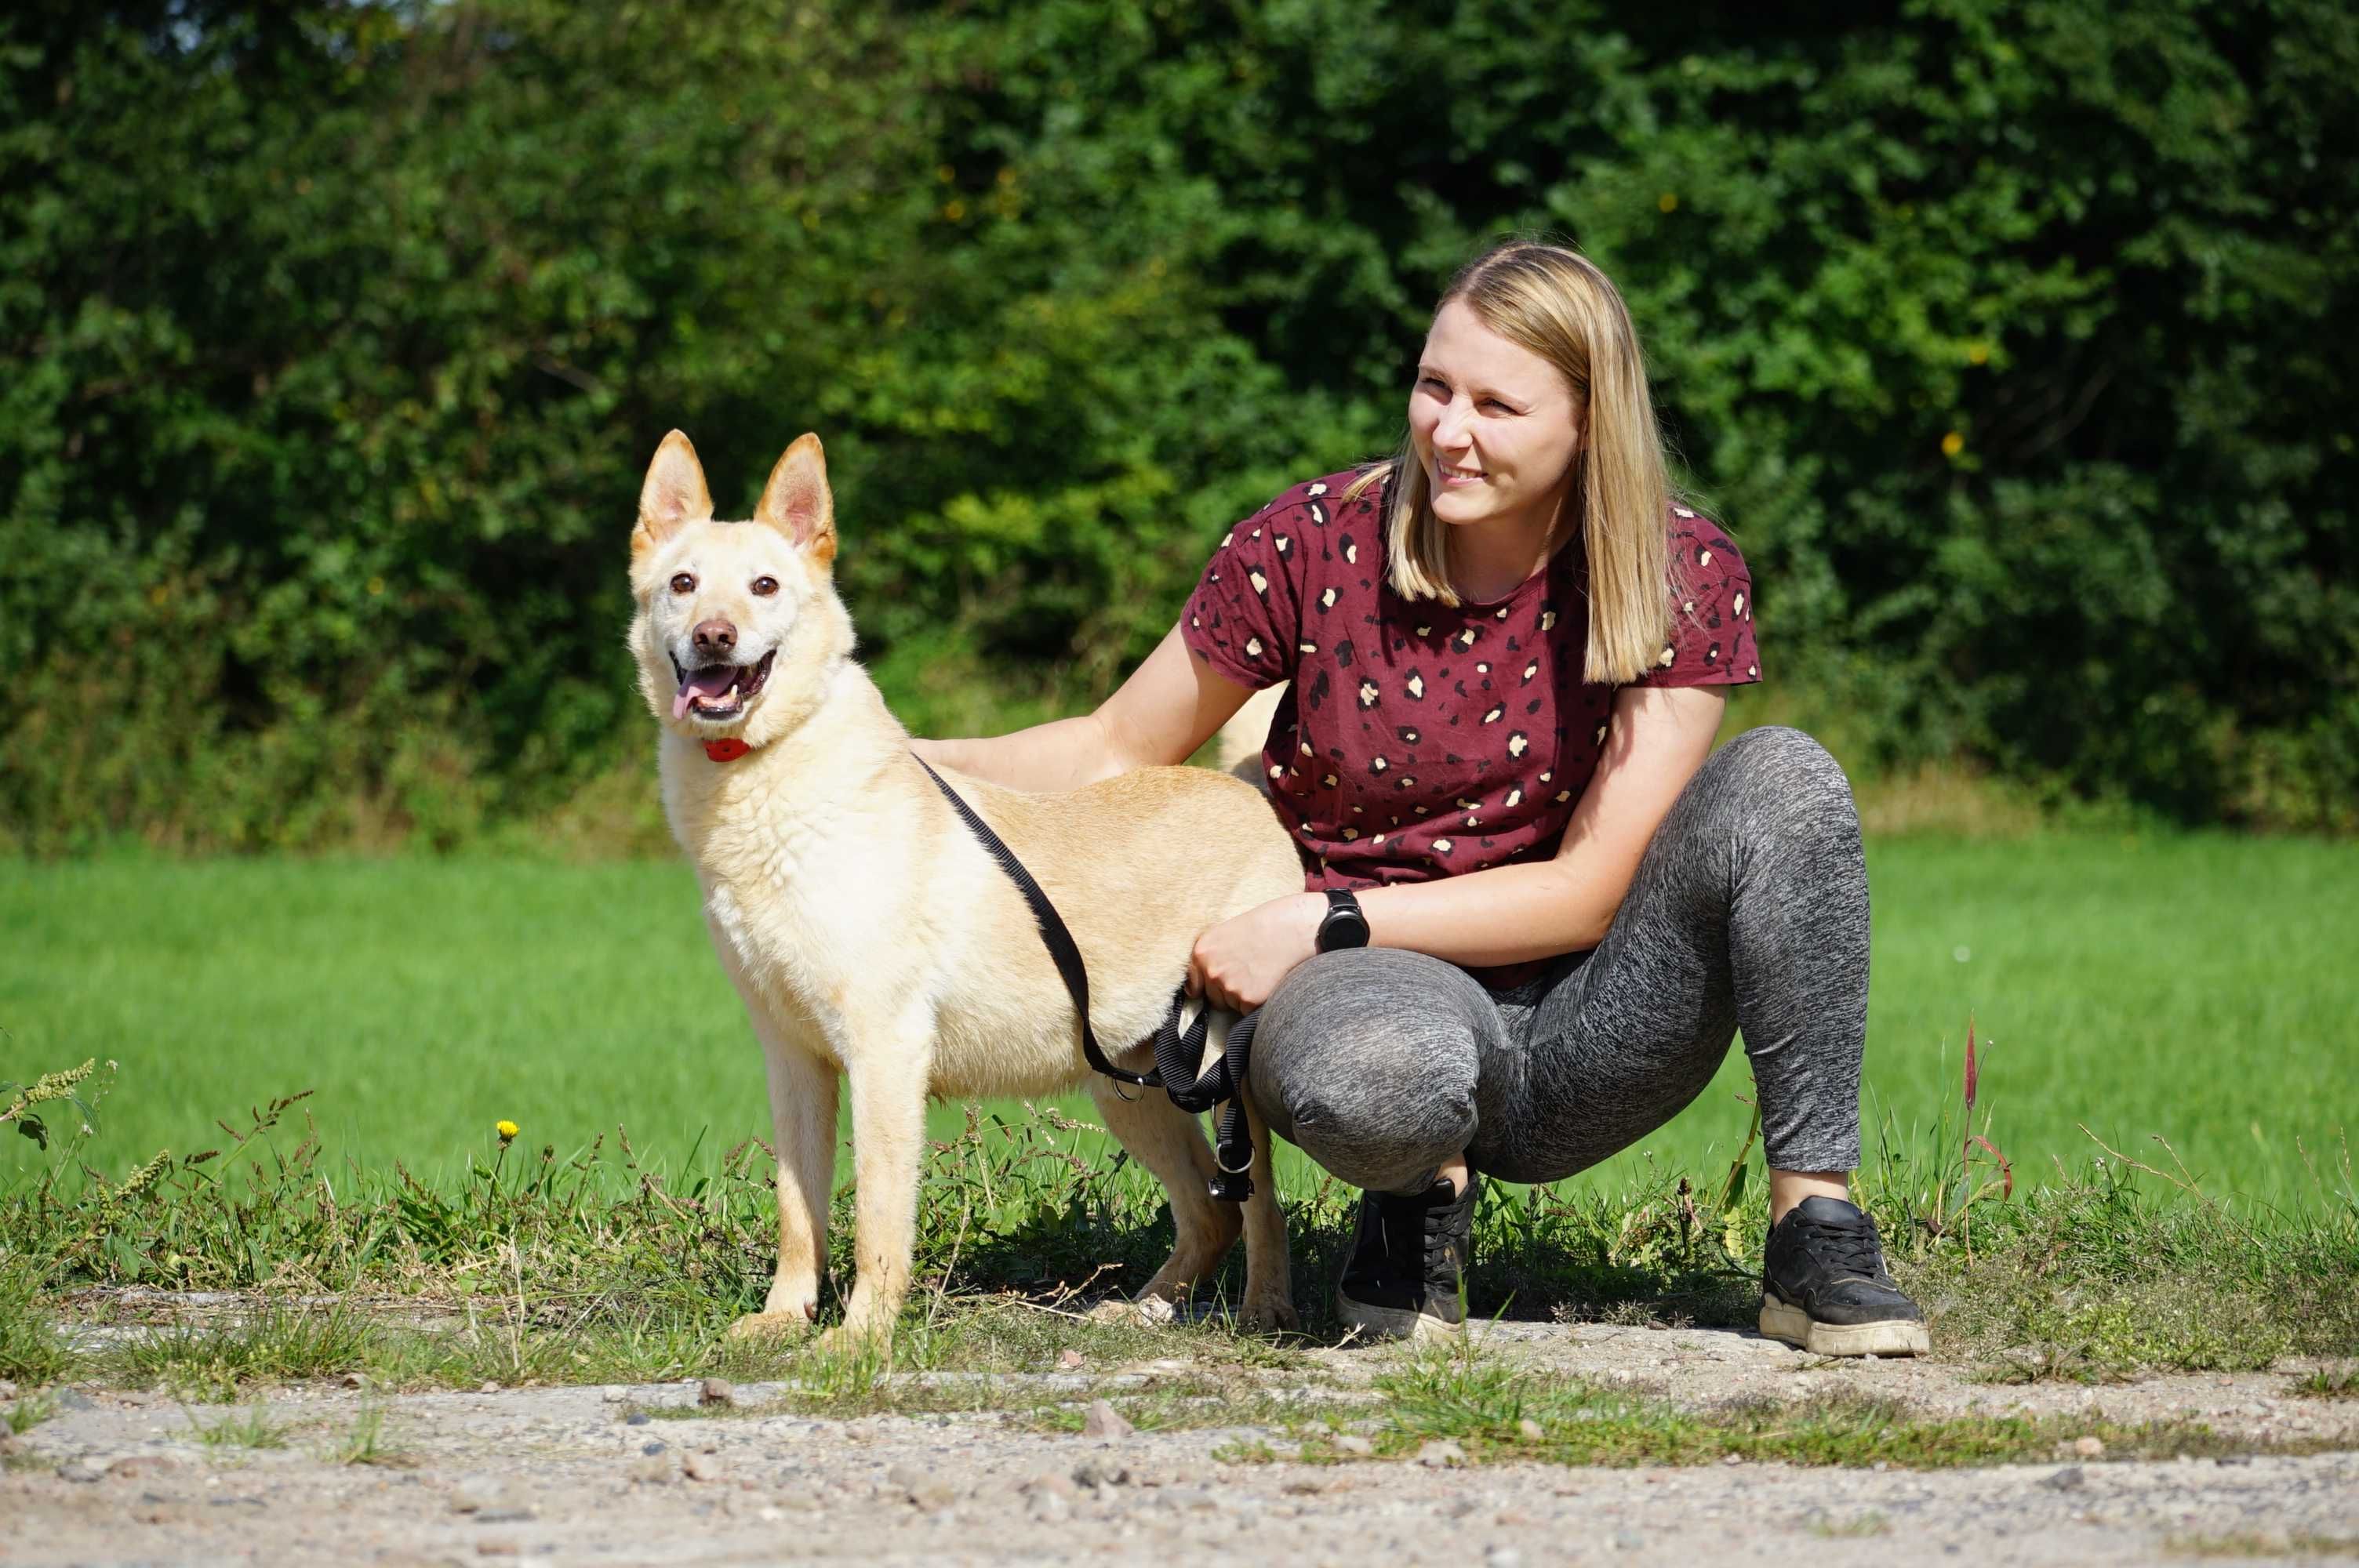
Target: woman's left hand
{"points": [[1240, 962]]}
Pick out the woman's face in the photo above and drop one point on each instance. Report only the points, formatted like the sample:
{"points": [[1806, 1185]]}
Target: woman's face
{"points": [[1494, 425]]}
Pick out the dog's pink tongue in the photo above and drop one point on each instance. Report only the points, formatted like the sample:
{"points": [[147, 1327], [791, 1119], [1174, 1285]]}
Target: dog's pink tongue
{"points": [[712, 683]]}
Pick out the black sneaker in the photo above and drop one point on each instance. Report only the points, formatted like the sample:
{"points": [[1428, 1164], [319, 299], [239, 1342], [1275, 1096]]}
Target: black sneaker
{"points": [[1407, 1260], [1824, 1286]]}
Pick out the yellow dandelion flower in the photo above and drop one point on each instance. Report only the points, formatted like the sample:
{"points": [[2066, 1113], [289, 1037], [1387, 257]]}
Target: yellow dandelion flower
{"points": [[1953, 444], [1978, 353], [506, 1129], [1668, 202]]}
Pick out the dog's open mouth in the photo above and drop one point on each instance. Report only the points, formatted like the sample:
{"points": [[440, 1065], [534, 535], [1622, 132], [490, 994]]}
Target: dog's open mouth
{"points": [[719, 691]]}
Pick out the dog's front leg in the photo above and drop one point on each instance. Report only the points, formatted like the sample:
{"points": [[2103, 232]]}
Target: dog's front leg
{"points": [[802, 1115], [889, 1064]]}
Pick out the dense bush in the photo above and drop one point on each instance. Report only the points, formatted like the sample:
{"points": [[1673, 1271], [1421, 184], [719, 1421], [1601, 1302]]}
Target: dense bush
{"points": [[2008, 337]]}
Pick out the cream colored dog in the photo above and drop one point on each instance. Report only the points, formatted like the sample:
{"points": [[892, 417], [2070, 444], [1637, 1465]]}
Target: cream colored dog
{"points": [[872, 935]]}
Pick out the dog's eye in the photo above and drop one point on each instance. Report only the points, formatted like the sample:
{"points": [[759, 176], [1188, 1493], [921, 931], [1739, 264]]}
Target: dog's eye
{"points": [[765, 586], [683, 583]]}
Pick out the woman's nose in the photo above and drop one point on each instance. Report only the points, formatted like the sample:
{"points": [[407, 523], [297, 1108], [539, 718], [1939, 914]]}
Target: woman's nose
{"points": [[1450, 431]]}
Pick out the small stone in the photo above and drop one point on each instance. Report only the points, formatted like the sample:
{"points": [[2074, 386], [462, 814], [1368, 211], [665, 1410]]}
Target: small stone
{"points": [[1441, 1453], [1529, 1430], [489, 1389], [703, 1468], [499, 1549], [75, 1400], [1352, 1444], [2089, 1447], [355, 1380], [1628, 1540], [1072, 1360], [134, 1466], [638, 1418], [508, 1515], [1055, 1481], [614, 1393], [1104, 1420], [715, 1391], [473, 1492], [652, 1449], [1503, 1557], [1096, 1473], [78, 1470], [2069, 1478]]}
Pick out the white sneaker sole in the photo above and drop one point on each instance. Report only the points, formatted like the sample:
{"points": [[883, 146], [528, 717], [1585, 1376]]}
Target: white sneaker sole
{"points": [[1894, 1336], [1396, 1323]]}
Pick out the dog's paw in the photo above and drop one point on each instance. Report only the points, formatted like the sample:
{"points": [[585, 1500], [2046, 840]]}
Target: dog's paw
{"points": [[1272, 1314], [850, 1339], [762, 1325]]}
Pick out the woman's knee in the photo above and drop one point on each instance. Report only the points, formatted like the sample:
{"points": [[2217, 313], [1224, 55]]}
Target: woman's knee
{"points": [[1367, 1061], [1774, 775]]}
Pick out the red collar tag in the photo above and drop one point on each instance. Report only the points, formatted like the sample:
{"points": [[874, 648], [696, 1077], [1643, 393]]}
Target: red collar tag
{"points": [[726, 751]]}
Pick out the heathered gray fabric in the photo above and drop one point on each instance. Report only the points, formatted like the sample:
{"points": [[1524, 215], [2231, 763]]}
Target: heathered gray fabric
{"points": [[1749, 910]]}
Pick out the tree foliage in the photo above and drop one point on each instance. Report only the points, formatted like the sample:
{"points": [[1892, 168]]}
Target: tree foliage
{"points": [[2004, 334]]}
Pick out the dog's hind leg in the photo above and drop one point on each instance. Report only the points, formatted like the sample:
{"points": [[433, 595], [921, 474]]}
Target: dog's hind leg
{"points": [[1170, 1143], [1269, 1285], [802, 1115]]}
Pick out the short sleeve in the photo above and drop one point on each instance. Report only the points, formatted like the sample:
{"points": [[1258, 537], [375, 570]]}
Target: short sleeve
{"points": [[1712, 620], [1245, 616]]}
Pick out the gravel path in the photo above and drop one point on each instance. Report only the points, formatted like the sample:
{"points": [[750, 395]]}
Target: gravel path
{"points": [[565, 1475]]}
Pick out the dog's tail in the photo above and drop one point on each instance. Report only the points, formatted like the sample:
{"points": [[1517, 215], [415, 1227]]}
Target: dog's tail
{"points": [[1238, 746]]}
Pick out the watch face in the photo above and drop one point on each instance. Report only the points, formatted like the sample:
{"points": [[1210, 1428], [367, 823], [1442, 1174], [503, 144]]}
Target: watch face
{"points": [[1343, 926]]}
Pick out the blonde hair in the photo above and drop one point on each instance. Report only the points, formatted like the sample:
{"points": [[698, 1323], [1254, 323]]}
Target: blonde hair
{"points": [[1557, 304]]}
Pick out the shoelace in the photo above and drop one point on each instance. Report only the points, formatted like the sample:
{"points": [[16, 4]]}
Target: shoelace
{"points": [[1855, 1248]]}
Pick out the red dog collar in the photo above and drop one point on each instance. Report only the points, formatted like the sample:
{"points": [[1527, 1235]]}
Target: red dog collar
{"points": [[727, 751]]}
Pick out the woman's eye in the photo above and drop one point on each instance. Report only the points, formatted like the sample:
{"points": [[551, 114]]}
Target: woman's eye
{"points": [[683, 583], [765, 586]]}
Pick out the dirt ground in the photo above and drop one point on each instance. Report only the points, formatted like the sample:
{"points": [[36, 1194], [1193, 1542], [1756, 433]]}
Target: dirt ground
{"points": [[610, 1475]]}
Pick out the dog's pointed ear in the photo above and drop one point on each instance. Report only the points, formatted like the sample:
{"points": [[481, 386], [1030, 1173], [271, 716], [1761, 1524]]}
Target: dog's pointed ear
{"points": [[797, 502], [673, 495]]}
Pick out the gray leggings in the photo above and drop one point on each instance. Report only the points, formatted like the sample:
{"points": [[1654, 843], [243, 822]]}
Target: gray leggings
{"points": [[1749, 911]]}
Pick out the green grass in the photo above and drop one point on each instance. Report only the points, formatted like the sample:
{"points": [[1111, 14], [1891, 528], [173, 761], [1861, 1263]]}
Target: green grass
{"points": [[2194, 988]]}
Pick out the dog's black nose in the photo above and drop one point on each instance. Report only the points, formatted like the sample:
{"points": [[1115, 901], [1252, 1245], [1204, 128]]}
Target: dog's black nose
{"points": [[714, 636]]}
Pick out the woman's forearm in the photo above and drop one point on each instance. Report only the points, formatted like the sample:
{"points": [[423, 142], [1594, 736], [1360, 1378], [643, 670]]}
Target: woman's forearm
{"points": [[1062, 754], [1508, 915]]}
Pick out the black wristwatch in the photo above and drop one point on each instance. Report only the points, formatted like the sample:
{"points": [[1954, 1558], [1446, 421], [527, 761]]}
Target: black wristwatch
{"points": [[1342, 926]]}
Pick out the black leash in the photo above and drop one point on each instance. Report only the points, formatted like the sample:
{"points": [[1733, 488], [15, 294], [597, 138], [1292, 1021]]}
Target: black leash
{"points": [[1176, 1050]]}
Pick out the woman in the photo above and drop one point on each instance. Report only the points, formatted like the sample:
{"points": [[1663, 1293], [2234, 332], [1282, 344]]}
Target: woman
{"points": [[1538, 906]]}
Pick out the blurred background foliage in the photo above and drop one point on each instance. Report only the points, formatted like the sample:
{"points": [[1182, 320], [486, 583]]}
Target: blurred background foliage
{"points": [[2012, 339]]}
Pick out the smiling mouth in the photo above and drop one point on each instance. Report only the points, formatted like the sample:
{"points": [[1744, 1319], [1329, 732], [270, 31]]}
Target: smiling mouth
{"points": [[719, 692], [1463, 476]]}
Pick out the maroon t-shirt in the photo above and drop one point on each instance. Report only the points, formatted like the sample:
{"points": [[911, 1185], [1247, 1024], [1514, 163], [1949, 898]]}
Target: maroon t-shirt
{"points": [[1417, 740]]}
